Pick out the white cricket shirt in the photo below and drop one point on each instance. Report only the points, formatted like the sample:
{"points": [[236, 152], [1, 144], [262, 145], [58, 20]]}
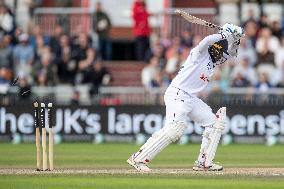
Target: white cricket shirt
{"points": [[197, 71]]}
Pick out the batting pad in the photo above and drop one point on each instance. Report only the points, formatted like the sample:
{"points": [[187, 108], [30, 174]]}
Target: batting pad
{"points": [[214, 136], [159, 140]]}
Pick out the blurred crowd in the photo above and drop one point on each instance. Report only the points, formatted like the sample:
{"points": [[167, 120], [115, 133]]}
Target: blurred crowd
{"points": [[36, 59], [260, 61]]}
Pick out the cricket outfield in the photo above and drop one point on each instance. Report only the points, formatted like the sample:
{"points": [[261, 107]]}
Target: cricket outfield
{"points": [[83, 165]]}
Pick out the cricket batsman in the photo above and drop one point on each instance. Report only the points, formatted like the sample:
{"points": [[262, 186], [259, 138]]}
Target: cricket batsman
{"points": [[182, 102]]}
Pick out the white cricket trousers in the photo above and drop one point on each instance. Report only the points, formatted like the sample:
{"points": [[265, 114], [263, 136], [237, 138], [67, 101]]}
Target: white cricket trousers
{"points": [[181, 105]]}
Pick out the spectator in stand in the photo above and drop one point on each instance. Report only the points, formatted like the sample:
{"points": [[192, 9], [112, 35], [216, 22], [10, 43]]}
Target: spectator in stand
{"points": [[279, 54], [160, 80], [265, 56], [45, 70], [187, 38], [265, 61], [282, 24], [240, 80], [176, 46], [263, 84], [280, 84], [66, 66], [266, 40], [217, 84], [54, 41], [166, 40], [6, 20], [246, 50], [141, 28], [174, 63], [75, 35], [23, 57], [84, 55], [226, 72], [5, 53], [150, 71], [15, 37], [176, 51], [36, 36], [248, 72], [251, 17], [276, 29], [97, 76], [264, 21], [39, 48], [4, 76], [24, 88], [251, 29], [278, 76], [102, 25], [157, 51]]}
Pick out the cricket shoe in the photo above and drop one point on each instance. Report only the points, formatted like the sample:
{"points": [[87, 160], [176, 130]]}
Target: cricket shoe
{"points": [[139, 166], [213, 167]]}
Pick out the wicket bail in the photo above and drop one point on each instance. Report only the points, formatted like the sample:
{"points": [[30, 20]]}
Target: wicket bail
{"points": [[39, 124]]}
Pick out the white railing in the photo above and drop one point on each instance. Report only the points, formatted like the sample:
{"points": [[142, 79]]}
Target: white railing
{"points": [[251, 90], [137, 95], [230, 90], [132, 90]]}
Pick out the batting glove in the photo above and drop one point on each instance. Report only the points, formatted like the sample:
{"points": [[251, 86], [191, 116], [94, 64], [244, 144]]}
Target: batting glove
{"points": [[236, 31], [225, 34]]}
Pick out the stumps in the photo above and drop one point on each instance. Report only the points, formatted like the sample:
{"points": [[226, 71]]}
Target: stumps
{"points": [[39, 122]]}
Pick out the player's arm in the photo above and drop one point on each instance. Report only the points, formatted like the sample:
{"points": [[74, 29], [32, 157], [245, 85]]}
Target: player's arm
{"points": [[211, 39], [230, 32]]}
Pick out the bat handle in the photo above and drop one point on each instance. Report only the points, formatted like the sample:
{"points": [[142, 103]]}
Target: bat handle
{"points": [[220, 28]]}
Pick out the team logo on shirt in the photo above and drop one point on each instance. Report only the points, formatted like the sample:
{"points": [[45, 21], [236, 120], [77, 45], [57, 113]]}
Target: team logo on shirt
{"points": [[204, 78]]}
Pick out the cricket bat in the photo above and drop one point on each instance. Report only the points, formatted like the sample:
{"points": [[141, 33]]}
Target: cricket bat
{"points": [[196, 20]]}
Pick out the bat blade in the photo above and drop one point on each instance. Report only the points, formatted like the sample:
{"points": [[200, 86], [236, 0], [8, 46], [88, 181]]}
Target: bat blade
{"points": [[196, 20]]}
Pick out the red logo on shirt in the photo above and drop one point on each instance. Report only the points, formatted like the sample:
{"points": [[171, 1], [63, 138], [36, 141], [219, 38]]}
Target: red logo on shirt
{"points": [[204, 78]]}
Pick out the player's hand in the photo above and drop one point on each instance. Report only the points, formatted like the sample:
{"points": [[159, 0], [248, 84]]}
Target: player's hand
{"points": [[237, 42]]}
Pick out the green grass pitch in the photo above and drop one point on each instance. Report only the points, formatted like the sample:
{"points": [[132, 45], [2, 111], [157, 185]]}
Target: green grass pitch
{"points": [[84, 156]]}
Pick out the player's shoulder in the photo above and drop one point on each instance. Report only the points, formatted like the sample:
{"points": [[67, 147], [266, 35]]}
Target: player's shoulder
{"points": [[196, 52], [194, 55]]}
